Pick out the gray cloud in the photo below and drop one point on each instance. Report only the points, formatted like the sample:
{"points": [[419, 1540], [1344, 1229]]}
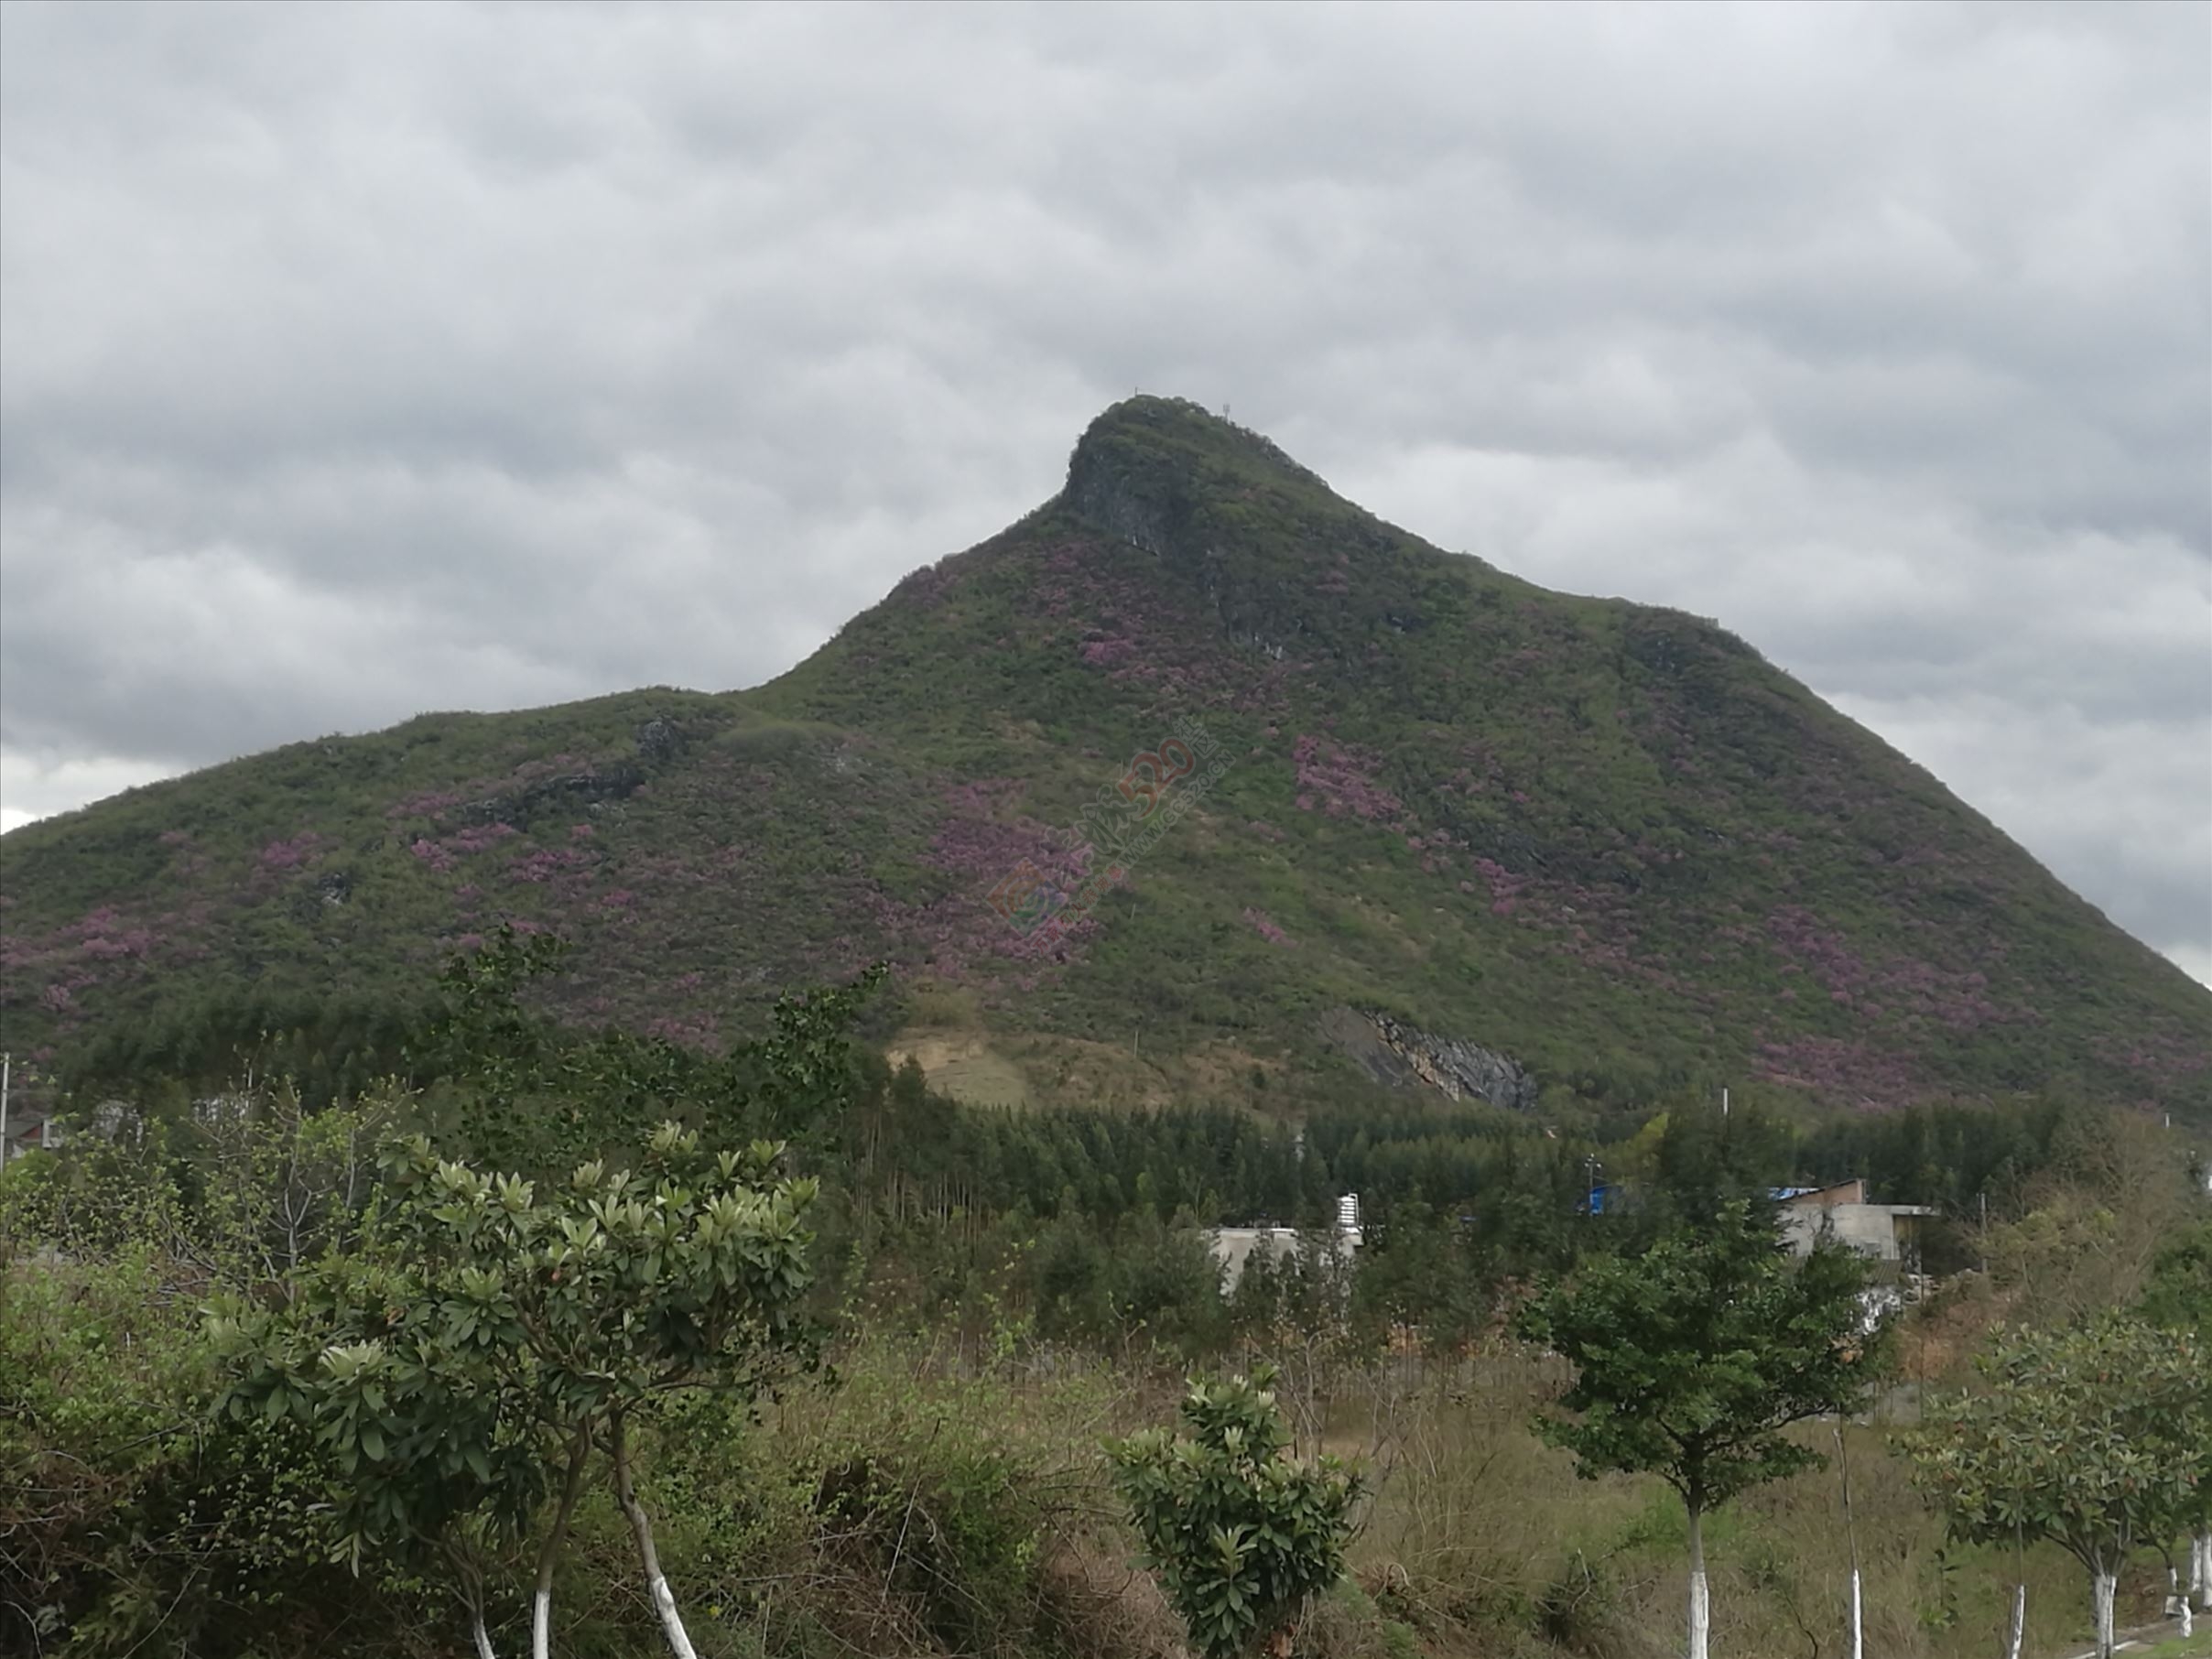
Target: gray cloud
{"points": [[358, 360]]}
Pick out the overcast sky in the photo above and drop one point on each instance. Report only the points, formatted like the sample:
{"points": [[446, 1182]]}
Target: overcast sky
{"points": [[363, 360]]}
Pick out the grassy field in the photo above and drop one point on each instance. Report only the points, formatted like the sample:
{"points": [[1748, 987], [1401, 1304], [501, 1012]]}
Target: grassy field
{"points": [[2198, 1646], [1477, 1541]]}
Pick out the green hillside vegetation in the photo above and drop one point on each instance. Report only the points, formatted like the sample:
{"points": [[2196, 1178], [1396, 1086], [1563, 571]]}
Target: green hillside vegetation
{"points": [[279, 1382], [1606, 845]]}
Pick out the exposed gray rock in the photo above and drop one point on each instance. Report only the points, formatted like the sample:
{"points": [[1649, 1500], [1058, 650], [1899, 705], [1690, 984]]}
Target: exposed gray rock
{"points": [[1404, 1057], [555, 796], [1145, 512], [658, 741]]}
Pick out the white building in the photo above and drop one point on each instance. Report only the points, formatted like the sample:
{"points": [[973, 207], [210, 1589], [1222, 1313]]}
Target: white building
{"points": [[1233, 1247], [1888, 1233]]}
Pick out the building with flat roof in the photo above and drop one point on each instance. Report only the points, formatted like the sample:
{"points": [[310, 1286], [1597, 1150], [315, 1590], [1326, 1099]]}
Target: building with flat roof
{"points": [[1234, 1247], [1888, 1233]]}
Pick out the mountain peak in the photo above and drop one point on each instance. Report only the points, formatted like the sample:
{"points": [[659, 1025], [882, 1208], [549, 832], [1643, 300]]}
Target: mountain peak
{"points": [[1142, 466], [1443, 811]]}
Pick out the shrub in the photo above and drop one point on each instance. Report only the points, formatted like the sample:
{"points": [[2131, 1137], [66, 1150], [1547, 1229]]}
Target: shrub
{"points": [[1238, 1533]]}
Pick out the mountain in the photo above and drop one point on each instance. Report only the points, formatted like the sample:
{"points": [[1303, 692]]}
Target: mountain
{"points": [[1416, 824]]}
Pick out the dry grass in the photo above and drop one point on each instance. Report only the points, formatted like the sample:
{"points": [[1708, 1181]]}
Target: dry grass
{"points": [[962, 1066], [1122, 1075], [1484, 1541], [933, 1465]]}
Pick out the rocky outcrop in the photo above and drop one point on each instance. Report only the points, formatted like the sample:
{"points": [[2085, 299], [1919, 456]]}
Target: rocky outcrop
{"points": [[1145, 467], [1404, 1057], [1134, 497], [1174, 480], [658, 741], [555, 797]]}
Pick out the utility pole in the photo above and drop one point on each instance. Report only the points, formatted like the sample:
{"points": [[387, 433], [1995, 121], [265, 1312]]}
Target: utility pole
{"points": [[4, 1060]]}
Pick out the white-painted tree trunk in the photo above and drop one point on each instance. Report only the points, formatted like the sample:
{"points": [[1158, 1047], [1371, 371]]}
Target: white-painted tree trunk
{"points": [[2019, 1629], [671, 1621], [1851, 1532], [2200, 1572], [556, 1535], [484, 1636], [2106, 1584], [656, 1584], [1701, 1606]]}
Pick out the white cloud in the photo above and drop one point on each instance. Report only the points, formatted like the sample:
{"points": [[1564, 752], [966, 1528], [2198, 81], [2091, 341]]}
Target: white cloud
{"points": [[34, 787]]}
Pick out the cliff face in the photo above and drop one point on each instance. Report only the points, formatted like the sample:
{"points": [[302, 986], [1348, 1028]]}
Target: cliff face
{"points": [[1393, 1052], [1549, 849]]}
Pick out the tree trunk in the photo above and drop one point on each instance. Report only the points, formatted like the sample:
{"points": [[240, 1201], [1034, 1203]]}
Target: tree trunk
{"points": [[548, 1553], [470, 1578], [2019, 1628], [2200, 1572], [1851, 1532], [1701, 1612], [656, 1584], [2177, 1601], [2104, 1588]]}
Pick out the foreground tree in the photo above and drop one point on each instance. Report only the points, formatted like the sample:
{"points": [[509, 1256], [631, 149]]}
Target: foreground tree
{"points": [[486, 1344], [1239, 1535], [2094, 1439], [2179, 1298], [1692, 1358]]}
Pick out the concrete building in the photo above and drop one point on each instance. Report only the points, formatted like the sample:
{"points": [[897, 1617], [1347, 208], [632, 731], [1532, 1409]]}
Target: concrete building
{"points": [[1888, 1233], [26, 1129], [1235, 1247]]}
